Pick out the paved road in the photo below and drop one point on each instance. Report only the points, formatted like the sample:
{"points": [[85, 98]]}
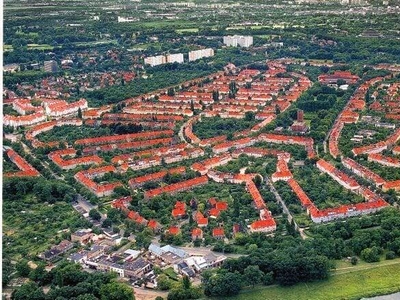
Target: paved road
{"points": [[43, 163], [284, 207]]}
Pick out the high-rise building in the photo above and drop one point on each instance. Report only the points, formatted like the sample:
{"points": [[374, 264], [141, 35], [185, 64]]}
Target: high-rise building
{"points": [[171, 58], [194, 55], [50, 66], [155, 60], [238, 40]]}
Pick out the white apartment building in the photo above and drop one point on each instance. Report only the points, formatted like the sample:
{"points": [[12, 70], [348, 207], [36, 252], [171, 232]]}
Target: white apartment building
{"points": [[194, 55], [155, 60], [171, 58], [238, 40]]}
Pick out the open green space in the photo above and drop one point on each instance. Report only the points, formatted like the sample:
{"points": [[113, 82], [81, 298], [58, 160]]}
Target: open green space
{"points": [[39, 47], [215, 126], [180, 31], [31, 226], [353, 285]]}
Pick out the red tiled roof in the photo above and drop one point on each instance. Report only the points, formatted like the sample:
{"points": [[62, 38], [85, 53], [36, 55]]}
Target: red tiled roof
{"points": [[218, 232]]}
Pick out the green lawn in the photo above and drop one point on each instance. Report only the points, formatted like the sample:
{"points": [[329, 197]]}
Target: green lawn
{"points": [[352, 285], [40, 47], [180, 31]]}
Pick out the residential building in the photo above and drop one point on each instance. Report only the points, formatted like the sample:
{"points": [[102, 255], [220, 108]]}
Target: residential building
{"points": [[50, 66], [238, 40], [198, 54]]}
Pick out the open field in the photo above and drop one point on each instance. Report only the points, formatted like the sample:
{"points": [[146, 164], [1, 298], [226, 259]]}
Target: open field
{"points": [[376, 280], [180, 31]]}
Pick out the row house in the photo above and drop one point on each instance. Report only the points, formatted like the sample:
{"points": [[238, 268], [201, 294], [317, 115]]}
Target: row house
{"points": [[370, 149], [137, 218], [158, 111], [333, 141], [188, 131], [158, 176], [301, 195], [124, 137], [58, 108], [138, 117], [166, 105], [236, 144], [307, 142], [177, 187], [263, 123], [396, 150], [342, 178], [384, 160], [204, 166], [362, 171], [148, 125], [245, 101], [47, 126], [338, 75], [25, 107], [391, 185], [171, 158], [148, 153], [345, 211], [128, 145], [282, 171], [57, 158], [260, 152], [221, 177], [265, 226], [145, 163], [37, 129], [212, 141], [26, 169], [224, 115], [189, 153], [258, 201], [28, 120], [100, 190], [95, 113]]}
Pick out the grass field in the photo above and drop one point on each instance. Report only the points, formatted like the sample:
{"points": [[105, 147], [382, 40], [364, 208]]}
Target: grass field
{"points": [[377, 280], [40, 47], [180, 31]]}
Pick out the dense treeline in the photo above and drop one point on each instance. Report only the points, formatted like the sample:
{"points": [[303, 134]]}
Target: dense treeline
{"points": [[287, 260], [46, 190], [282, 260], [68, 281]]}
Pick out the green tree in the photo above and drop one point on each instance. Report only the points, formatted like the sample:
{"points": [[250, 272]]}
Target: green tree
{"points": [[79, 113], [23, 268], [186, 282], [252, 275], [370, 254], [94, 214], [28, 291], [163, 283], [116, 291]]}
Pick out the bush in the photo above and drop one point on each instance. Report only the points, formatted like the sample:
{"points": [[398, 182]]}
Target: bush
{"points": [[390, 255], [370, 254]]}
